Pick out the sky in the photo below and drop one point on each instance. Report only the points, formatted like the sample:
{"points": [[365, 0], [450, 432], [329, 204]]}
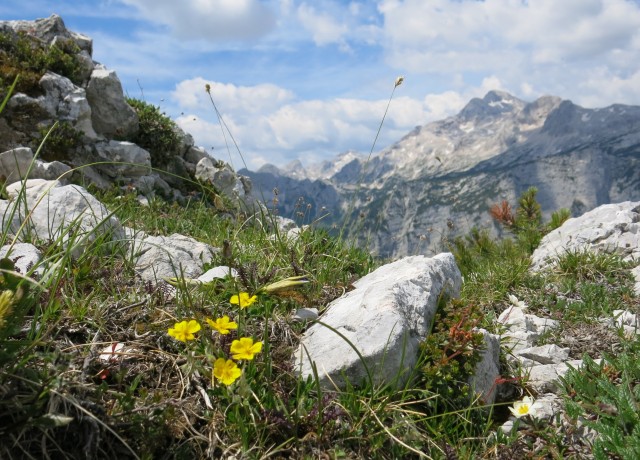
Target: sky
{"points": [[307, 80]]}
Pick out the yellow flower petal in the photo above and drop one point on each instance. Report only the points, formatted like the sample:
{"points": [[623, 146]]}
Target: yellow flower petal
{"points": [[245, 348], [222, 325], [243, 299], [184, 330], [226, 371]]}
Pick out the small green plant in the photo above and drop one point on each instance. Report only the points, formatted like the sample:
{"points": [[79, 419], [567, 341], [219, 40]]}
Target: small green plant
{"points": [[450, 354], [61, 141], [156, 132], [22, 54], [526, 224], [606, 398]]}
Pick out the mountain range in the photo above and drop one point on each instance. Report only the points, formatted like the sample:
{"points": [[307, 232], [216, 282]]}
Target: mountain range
{"points": [[441, 178]]}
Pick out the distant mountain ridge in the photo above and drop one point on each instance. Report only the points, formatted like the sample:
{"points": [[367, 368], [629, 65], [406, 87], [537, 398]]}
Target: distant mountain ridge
{"points": [[441, 178]]}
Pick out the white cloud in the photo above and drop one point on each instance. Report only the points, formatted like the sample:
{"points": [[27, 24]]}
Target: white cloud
{"points": [[323, 27], [601, 88], [210, 19], [240, 101], [584, 50], [269, 122], [494, 34]]}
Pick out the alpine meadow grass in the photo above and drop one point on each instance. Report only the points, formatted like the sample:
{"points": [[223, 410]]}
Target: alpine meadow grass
{"points": [[96, 363]]}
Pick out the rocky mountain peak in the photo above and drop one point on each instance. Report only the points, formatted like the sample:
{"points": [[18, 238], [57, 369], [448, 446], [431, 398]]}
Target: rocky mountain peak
{"points": [[493, 104], [442, 177]]}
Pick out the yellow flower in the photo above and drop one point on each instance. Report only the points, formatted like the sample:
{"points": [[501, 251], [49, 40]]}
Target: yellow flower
{"points": [[184, 330], [243, 300], [226, 371], [245, 348], [524, 407], [222, 325]]}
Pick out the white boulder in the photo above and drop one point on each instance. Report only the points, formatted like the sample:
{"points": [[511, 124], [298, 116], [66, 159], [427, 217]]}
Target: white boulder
{"points": [[374, 331]]}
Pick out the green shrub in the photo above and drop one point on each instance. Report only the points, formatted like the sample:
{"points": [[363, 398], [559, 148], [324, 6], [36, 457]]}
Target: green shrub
{"points": [[31, 59], [156, 133], [606, 397], [63, 139], [450, 354]]}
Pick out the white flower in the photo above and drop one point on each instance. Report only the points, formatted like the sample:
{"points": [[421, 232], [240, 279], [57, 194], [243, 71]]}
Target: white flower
{"points": [[518, 303], [524, 407]]}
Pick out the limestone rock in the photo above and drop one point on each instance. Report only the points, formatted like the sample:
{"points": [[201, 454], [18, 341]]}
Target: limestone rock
{"points": [[611, 228], [135, 161], [219, 272], [111, 115], [545, 354], [67, 102], [305, 314], [25, 256], [385, 318], [68, 212], [483, 380], [223, 179], [544, 378], [15, 163], [195, 154], [160, 257]]}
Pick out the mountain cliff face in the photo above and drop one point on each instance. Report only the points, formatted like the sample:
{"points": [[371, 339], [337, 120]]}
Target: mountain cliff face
{"points": [[441, 178]]}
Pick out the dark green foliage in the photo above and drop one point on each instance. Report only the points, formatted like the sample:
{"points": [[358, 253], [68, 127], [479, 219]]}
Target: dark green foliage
{"points": [[450, 354], [156, 133], [24, 55], [606, 397], [62, 140], [558, 218], [526, 224]]}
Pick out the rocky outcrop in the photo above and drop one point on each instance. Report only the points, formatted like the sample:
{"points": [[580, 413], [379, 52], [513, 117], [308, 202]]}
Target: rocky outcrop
{"points": [[374, 331], [53, 212], [75, 219], [101, 129], [111, 116], [611, 228], [176, 256]]}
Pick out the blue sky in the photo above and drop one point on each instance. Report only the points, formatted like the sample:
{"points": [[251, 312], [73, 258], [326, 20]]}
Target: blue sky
{"points": [[307, 80]]}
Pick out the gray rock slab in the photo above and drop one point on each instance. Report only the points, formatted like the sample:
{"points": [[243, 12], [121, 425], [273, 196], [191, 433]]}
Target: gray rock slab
{"points": [[25, 256], [545, 354], [385, 317], [610, 228], [544, 378], [110, 114], [68, 212], [483, 381], [160, 257]]}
